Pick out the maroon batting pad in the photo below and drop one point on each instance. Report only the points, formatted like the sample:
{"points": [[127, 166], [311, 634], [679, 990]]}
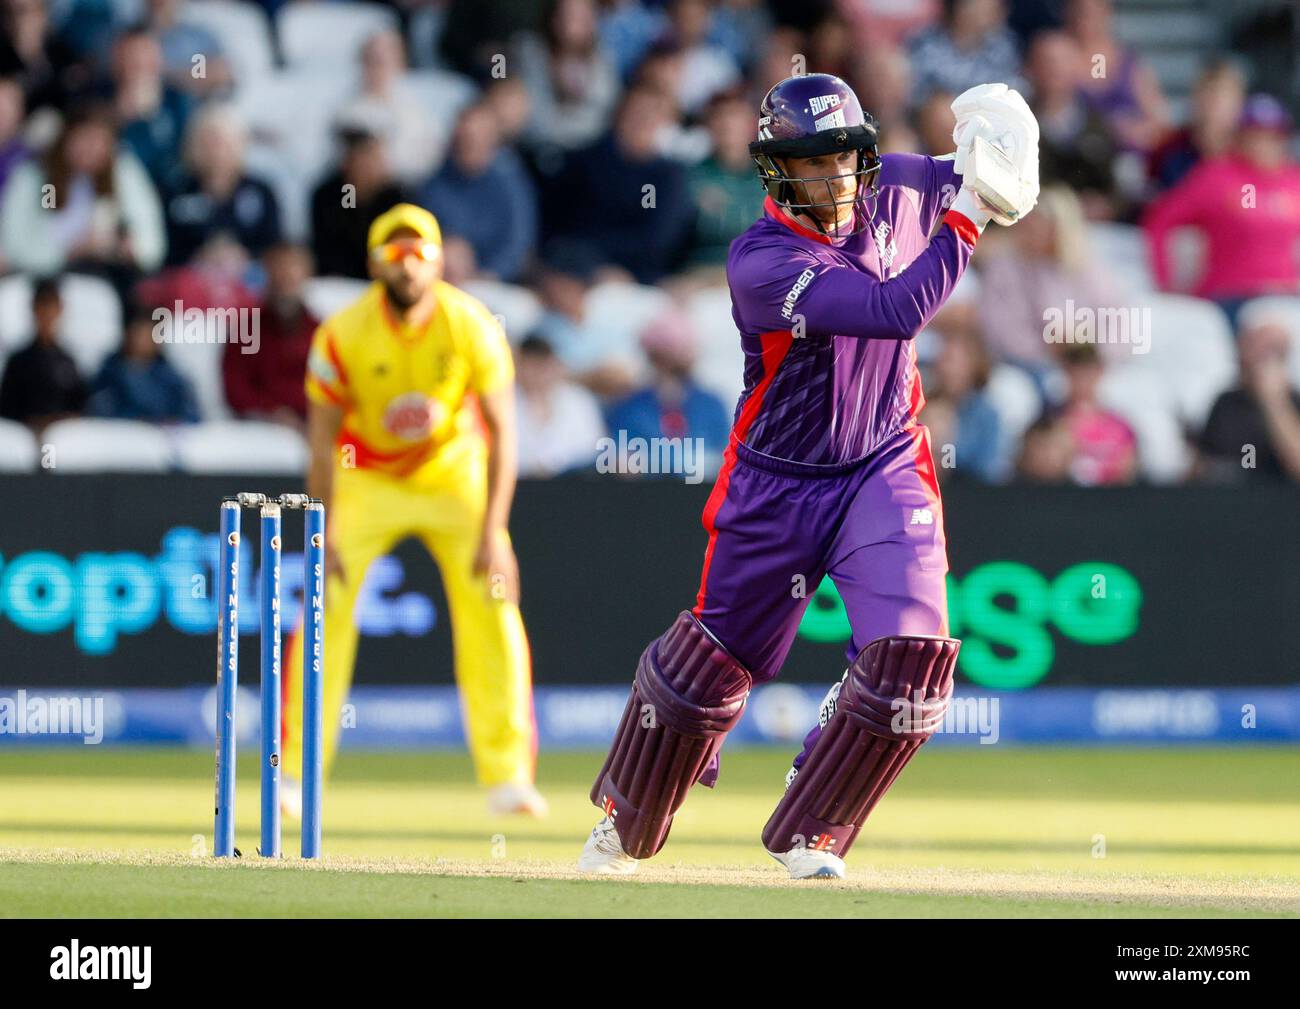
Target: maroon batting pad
{"points": [[688, 693], [893, 699]]}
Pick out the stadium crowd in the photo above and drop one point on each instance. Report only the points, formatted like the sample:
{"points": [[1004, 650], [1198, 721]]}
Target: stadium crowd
{"points": [[588, 162]]}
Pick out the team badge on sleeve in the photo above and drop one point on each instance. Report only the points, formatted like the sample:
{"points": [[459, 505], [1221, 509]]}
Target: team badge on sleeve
{"points": [[322, 369]]}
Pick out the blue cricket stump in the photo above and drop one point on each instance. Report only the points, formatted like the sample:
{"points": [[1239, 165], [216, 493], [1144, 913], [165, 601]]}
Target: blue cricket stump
{"points": [[227, 676], [228, 669], [313, 671], [269, 602]]}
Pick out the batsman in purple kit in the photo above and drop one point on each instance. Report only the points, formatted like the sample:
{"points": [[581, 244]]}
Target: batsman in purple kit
{"points": [[828, 473]]}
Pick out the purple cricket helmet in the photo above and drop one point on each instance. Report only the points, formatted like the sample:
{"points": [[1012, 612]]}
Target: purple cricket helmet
{"points": [[807, 116]]}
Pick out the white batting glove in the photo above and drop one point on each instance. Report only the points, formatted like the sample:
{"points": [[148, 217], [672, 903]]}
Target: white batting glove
{"points": [[970, 206], [997, 149]]}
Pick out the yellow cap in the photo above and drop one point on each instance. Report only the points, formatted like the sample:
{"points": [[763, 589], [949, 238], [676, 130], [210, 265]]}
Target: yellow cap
{"points": [[404, 215]]}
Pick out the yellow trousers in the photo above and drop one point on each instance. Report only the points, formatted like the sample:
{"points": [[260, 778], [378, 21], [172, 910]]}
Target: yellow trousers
{"points": [[369, 515]]}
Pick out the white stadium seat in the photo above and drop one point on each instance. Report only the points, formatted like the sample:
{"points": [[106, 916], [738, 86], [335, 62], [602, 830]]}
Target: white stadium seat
{"points": [[279, 171], [1192, 352], [1015, 397], [19, 452], [517, 307], [440, 96], [328, 34], [244, 31], [91, 327], [720, 367], [240, 447], [200, 364], [1283, 310], [1121, 250], [92, 320], [326, 295], [627, 306], [111, 446], [623, 311], [292, 112], [440, 92], [1141, 397]]}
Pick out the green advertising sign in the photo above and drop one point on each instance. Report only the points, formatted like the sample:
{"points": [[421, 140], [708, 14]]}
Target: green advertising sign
{"points": [[1002, 610]]}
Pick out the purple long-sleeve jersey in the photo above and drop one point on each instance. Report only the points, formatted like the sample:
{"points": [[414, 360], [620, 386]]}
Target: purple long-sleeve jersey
{"points": [[827, 327]]}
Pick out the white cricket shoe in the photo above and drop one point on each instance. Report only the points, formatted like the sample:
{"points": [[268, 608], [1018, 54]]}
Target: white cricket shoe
{"points": [[508, 799], [290, 798], [809, 863], [603, 853]]}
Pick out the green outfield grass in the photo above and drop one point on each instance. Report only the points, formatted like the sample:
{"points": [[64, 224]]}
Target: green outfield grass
{"points": [[972, 832]]}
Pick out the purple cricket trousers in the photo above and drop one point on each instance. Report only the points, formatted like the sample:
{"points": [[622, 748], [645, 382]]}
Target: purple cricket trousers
{"points": [[776, 528]]}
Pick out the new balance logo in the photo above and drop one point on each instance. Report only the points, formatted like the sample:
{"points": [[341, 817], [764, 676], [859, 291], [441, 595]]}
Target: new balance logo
{"points": [[922, 517]]}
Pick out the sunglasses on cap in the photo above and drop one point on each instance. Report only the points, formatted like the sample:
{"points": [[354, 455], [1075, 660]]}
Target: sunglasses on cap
{"points": [[399, 248]]}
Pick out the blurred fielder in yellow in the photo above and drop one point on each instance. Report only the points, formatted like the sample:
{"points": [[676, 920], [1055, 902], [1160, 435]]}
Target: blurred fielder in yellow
{"points": [[412, 433]]}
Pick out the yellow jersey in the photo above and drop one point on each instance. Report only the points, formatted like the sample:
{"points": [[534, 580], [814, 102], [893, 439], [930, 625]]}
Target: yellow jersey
{"points": [[407, 392]]}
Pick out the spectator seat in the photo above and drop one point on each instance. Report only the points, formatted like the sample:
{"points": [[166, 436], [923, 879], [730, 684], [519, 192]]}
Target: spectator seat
{"points": [[83, 445], [244, 31], [292, 112], [240, 446], [517, 307], [1122, 250], [1015, 397], [1138, 394], [1192, 353], [720, 366], [326, 295], [328, 34], [19, 452]]}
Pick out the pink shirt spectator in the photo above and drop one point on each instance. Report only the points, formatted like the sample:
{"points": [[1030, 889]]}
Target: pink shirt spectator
{"points": [[1250, 250], [887, 23], [1105, 448]]}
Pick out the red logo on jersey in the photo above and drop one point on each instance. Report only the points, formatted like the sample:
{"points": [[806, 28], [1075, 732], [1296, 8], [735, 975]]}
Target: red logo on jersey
{"points": [[413, 416]]}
